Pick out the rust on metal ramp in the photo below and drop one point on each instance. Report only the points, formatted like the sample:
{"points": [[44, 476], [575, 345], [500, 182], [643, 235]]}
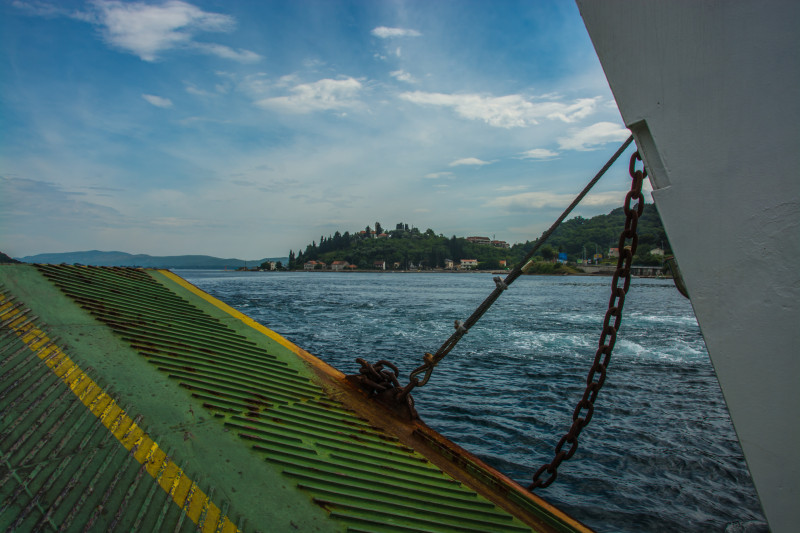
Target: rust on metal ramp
{"points": [[129, 398]]}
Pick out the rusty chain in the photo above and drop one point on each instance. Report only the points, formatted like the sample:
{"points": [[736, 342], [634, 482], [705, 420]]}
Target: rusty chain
{"points": [[461, 328], [628, 240], [382, 385], [388, 389]]}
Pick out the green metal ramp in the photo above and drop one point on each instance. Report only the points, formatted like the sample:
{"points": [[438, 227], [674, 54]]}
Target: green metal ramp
{"points": [[131, 400]]}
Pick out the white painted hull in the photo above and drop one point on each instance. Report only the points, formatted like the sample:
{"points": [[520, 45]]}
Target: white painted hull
{"points": [[710, 91]]}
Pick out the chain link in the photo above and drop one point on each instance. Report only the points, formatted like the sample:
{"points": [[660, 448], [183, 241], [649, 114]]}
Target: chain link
{"points": [[628, 240], [383, 385], [431, 360]]}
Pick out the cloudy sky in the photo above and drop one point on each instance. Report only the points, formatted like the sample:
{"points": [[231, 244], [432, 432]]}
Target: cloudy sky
{"points": [[246, 129]]}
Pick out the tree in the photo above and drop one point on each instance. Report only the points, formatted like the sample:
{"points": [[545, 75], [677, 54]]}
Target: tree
{"points": [[430, 249], [378, 228], [547, 252]]}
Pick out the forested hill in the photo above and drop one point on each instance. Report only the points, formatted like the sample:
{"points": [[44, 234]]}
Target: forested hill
{"points": [[579, 235], [413, 248]]}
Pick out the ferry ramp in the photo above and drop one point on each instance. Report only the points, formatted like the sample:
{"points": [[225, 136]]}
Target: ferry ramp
{"points": [[131, 400]]}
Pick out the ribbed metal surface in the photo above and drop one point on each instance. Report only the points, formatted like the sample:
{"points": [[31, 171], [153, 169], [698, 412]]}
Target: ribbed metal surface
{"points": [[64, 465], [362, 476]]}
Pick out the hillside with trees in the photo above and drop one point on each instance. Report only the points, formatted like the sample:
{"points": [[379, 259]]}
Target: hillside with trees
{"points": [[410, 248], [407, 246], [581, 237]]}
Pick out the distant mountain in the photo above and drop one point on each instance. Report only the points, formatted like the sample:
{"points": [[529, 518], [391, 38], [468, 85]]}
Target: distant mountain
{"points": [[6, 259], [98, 258]]}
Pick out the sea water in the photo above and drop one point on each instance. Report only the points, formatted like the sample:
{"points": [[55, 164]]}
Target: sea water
{"points": [[660, 453]]}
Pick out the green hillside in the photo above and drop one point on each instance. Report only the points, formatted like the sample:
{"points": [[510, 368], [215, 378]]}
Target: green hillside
{"points": [[413, 248], [409, 247], [579, 236]]}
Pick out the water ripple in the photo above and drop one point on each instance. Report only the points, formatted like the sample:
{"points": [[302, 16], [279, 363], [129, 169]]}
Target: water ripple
{"points": [[660, 453]]}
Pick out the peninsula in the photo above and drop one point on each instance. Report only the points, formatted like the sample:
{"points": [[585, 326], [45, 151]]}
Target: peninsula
{"points": [[578, 241]]}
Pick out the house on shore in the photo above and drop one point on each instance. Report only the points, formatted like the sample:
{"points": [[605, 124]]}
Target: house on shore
{"points": [[339, 266], [468, 264]]}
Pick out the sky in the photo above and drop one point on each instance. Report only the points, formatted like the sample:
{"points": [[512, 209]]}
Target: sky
{"points": [[250, 128]]}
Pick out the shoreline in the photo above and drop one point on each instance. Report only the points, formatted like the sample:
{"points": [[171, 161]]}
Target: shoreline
{"points": [[604, 273]]}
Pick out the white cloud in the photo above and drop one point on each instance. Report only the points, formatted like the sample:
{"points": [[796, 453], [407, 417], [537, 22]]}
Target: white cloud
{"points": [[157, 101], [539, 153], [58, 211], [226, 52], [385, 33], [469, 161], [192, 89], [288, 80], [170, 197], [313, 63], [41, 9], [438, 175], [322, 95], [147, 30], [402, 75], [175, 222], [257, 85], [531, 201], [592, 137], [511, 111]]}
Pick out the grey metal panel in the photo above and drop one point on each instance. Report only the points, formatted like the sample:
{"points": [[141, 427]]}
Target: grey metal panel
{"points": [[709, 90]]}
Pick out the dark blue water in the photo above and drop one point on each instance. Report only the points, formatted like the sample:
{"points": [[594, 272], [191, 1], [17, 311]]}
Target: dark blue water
{"points": [[660, 453]]}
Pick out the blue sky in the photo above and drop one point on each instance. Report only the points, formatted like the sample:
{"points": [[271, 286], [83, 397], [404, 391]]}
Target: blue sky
{"points": [[249, 128]]}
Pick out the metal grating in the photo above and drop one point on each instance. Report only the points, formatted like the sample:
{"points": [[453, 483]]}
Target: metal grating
{"points": [[362, 476], [71, 457]]}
